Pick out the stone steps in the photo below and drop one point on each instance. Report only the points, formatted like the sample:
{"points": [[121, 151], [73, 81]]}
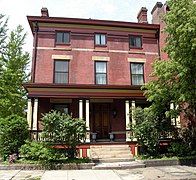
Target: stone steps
{"points": [[111, 153]]}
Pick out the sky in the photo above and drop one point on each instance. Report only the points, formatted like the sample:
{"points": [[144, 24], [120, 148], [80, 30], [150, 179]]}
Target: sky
{"points": [[120, 10]]}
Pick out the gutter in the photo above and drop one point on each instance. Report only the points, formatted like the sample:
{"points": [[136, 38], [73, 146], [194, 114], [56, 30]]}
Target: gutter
{"points": [[36, 29]]}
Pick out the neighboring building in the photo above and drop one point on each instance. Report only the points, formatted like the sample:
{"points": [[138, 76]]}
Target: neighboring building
{"points": [[92, 69]]}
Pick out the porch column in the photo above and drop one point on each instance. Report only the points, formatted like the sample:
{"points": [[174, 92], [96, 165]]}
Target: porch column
{"points": [[132, 118], [175, 121], [172, 119], [87, 122], [35, 117], [127, 117], [29, 113], [80, 109], [178, 123], [132, 107]]}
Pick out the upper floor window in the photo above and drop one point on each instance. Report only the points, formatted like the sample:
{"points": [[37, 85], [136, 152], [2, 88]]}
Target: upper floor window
{"points": [[100, 72], [62, 37], [135, 41], [137, 73], [61, 71], [100, 39]]}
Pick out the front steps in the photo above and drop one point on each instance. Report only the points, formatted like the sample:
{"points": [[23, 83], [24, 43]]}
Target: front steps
{"points": [[111, 153]]}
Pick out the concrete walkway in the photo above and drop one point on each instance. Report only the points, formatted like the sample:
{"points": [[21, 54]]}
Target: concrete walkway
{"points": [[162, 172]]}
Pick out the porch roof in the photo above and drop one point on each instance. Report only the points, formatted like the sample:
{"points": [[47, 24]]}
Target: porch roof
{"points": [[82, 91]]}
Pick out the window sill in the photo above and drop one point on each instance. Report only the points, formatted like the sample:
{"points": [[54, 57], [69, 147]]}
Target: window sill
{"points": [[99, 45], [62, 44], [135, 48]]}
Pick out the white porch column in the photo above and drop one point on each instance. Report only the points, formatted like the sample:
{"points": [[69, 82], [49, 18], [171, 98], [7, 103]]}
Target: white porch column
{"points": [[173, 121], [132, 118], [35, 114], [127, 117], [178, 123], [132, 107], [80, 109], [29, 113], [87, 122]]}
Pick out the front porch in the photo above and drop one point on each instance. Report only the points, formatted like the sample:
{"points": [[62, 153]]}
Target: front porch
{"points": [[107, 120], [105, 109]]}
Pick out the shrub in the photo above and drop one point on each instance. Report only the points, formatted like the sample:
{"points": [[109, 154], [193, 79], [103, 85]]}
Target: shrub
{"points": [[63, 129], [145, 131], [179, 149], [38, 151], [13, 133]]}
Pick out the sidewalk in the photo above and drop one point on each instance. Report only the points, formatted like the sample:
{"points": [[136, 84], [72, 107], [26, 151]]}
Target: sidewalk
{"points": [[161, 172]]}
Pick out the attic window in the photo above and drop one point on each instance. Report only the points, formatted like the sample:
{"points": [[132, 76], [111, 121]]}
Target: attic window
{"points": [[62, 37]]}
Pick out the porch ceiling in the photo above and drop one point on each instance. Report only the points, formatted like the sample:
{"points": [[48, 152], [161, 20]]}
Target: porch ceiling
{"points": [[82, 91]]}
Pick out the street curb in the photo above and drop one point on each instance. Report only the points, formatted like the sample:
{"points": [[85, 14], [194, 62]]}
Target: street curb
{"points": [[71, 166], [168, 162]]}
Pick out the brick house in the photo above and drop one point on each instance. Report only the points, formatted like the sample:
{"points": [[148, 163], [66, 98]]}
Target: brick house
{"points": [[92, 69]]}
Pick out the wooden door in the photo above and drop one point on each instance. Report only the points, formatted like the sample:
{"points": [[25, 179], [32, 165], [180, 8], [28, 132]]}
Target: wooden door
{"points": [[101, 120]]}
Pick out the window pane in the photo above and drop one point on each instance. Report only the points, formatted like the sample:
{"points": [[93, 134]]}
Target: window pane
{"points": [[62, 37], [136, 68], [66, 38], [59, 37], [100, 78], [103, 42], [97, 38], [138, 42], [61, 66], [137, 80], [61, 77], [100, 67], [135, 41], [62, 108]]}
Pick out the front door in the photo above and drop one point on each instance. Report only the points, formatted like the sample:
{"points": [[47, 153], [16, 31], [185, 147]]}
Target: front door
{"points": [[101, 118]]}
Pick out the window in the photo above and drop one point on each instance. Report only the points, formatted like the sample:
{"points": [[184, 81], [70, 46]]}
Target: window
{"points": [[100, 39], [135, 41], [137, 73], [100, 73], [63, 108], [62, 37], [61, 71]]}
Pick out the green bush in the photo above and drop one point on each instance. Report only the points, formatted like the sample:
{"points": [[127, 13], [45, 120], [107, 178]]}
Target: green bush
{"points": [[145, 130], [13, 133], [63, 129], [38, 151], [179, 149]]}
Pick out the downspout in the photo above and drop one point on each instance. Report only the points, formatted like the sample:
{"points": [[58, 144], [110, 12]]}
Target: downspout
{"points": [[158, 43], [36, 29]]}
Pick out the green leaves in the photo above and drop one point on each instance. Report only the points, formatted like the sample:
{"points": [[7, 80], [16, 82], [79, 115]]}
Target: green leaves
{"points": [[13, 73], [13, 133], [63, 129], [175, 79]]}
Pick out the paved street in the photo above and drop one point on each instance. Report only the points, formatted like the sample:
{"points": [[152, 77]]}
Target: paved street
{"points": [[166, 172]]}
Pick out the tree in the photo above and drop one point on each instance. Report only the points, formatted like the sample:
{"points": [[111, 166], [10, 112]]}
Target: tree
{"points": [[175, 79], [3, 36], [13, 73]]}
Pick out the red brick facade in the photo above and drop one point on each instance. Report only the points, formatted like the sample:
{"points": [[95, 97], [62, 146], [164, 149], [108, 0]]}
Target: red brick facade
{"points": [[82, 53]]}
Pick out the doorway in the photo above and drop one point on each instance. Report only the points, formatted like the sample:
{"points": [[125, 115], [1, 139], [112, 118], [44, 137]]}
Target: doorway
{"points": [[101, 120]]}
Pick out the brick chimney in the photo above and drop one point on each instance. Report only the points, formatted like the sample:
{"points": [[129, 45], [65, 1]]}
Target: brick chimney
{"points": [[44, 12], [157, 13], [142, 15]]}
